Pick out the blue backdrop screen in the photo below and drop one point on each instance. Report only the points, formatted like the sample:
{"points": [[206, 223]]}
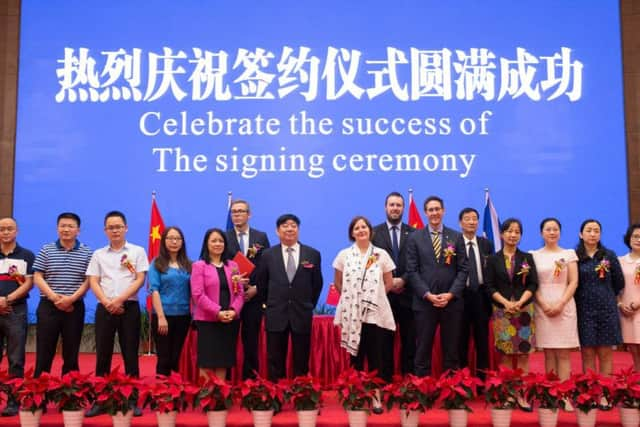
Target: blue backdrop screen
{"points": [[320, 109]]}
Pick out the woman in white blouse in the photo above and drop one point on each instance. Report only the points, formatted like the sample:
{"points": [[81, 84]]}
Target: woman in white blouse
{"points": [[363, 276]]}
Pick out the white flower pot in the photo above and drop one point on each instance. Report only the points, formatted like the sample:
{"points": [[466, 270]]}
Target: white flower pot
{"points": [[167, 419], [73, 418], [262, 418], [458, 417], [357, 418], [307, 418], [548, 417], [122, 420], [629, 417], [30, 419], [586, 419], [409, 418], [217, 418], [501, 417]]}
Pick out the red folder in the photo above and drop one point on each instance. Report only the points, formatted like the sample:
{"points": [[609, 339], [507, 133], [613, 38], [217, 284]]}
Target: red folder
{"points": [[244, 264], [333, 296]]}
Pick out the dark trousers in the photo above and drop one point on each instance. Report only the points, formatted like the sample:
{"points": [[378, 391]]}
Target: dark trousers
{"points": [[277, 348], [449, 318], [13, 327], [407, 329], [477, 311], [169, 346], [127, 325], [371, 348], [251, 316], [53, 323]]}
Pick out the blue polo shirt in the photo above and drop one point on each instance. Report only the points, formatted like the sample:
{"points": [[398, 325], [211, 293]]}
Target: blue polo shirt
{"points": [[23, 260], [64, 270]]}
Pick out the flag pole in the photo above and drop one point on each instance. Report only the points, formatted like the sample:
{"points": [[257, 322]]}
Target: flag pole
{"points": [[146, 280]]}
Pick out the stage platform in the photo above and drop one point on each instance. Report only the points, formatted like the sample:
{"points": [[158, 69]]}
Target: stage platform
{"points": [[331, 415]]}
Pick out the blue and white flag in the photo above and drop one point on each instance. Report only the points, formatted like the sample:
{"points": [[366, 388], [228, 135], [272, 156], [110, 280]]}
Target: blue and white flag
{"points": [[491, 223]]}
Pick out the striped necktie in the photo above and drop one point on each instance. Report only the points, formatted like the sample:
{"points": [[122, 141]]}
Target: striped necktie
{"points": [[437, 246]]}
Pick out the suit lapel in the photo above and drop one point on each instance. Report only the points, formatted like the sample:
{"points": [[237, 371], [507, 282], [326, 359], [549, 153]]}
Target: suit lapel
{"points": [[388, 246], [232, 241], [280, 261], [404, 234]]}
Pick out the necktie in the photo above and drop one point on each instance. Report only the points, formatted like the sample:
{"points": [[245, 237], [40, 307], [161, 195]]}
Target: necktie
{"points": [[241, 241], [437, 248], [395, 248], [291, 265], [473, 268]]}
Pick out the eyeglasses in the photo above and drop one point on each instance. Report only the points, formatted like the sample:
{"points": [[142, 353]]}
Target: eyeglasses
{"points": [[635, 237], [115, 228], [239, 211], [9, 229], [174, 239]]}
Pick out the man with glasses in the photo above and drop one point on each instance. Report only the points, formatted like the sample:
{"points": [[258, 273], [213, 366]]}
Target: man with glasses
{"points": [[437, 269], [116, 273], [60, 275], [252, 243], [16, 269]]}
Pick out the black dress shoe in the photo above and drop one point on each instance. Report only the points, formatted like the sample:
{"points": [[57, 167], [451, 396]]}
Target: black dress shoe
{"points": [[137, 412], [11, 410], [524, 405], [94, 411], [377, 410]]}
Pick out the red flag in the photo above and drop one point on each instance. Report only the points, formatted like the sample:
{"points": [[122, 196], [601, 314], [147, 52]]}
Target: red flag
{"points": [[414, 215], [155, 231], [156, 228], [333, 296]]}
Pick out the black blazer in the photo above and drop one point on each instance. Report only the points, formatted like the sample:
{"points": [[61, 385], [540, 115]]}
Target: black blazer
{"points": [[486, 250], [497, 278], [382, 239], [255, 237], [289, 303], [428, 274]]}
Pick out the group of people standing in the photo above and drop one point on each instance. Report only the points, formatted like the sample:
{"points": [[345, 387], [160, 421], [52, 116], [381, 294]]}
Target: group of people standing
{"points": [[392, 276]]}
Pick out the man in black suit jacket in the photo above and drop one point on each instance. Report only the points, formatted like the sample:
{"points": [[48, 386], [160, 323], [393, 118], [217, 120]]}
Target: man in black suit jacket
{"points": [[437, 270], [252, 243], [290, 278], [399, 296], [477, 306]]}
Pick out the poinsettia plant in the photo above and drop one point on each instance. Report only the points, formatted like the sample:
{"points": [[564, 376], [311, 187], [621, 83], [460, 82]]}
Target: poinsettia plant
{"points": [[502, 387], [546, 390], [117, 392], [357, 389], [4, 386], [457, 388], [168, 394], [214, 394], [305, 392], [626, 388], [72, 392], [260, 394], [412, 393], [587, 390], [30, 392]]}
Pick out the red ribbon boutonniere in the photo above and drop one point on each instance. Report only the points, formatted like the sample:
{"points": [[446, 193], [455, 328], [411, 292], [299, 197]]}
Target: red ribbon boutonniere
{"points": [[603, 268], [253, 250], [371, 260], [306, 264], [124, 261], [637, 276], [525, 268], [449, 252], [13, 273], [560, 264]]}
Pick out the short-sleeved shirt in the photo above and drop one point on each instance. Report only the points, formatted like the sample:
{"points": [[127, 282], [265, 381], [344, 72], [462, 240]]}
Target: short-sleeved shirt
{"points": [[173, 288], [110, 266], [20, 258], [64, 270]]}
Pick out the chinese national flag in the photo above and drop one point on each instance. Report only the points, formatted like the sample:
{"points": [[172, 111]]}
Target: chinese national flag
{"points": [[155, 231], [414, 215]]}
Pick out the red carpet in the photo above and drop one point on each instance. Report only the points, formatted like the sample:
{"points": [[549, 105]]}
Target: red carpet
{"points": [[331, 415]]}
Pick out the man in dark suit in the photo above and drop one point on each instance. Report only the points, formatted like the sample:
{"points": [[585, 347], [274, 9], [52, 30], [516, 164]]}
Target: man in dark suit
{"points": [[392, 236], [252, 243], [477, 306], [437, 271], [290, 278]]}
